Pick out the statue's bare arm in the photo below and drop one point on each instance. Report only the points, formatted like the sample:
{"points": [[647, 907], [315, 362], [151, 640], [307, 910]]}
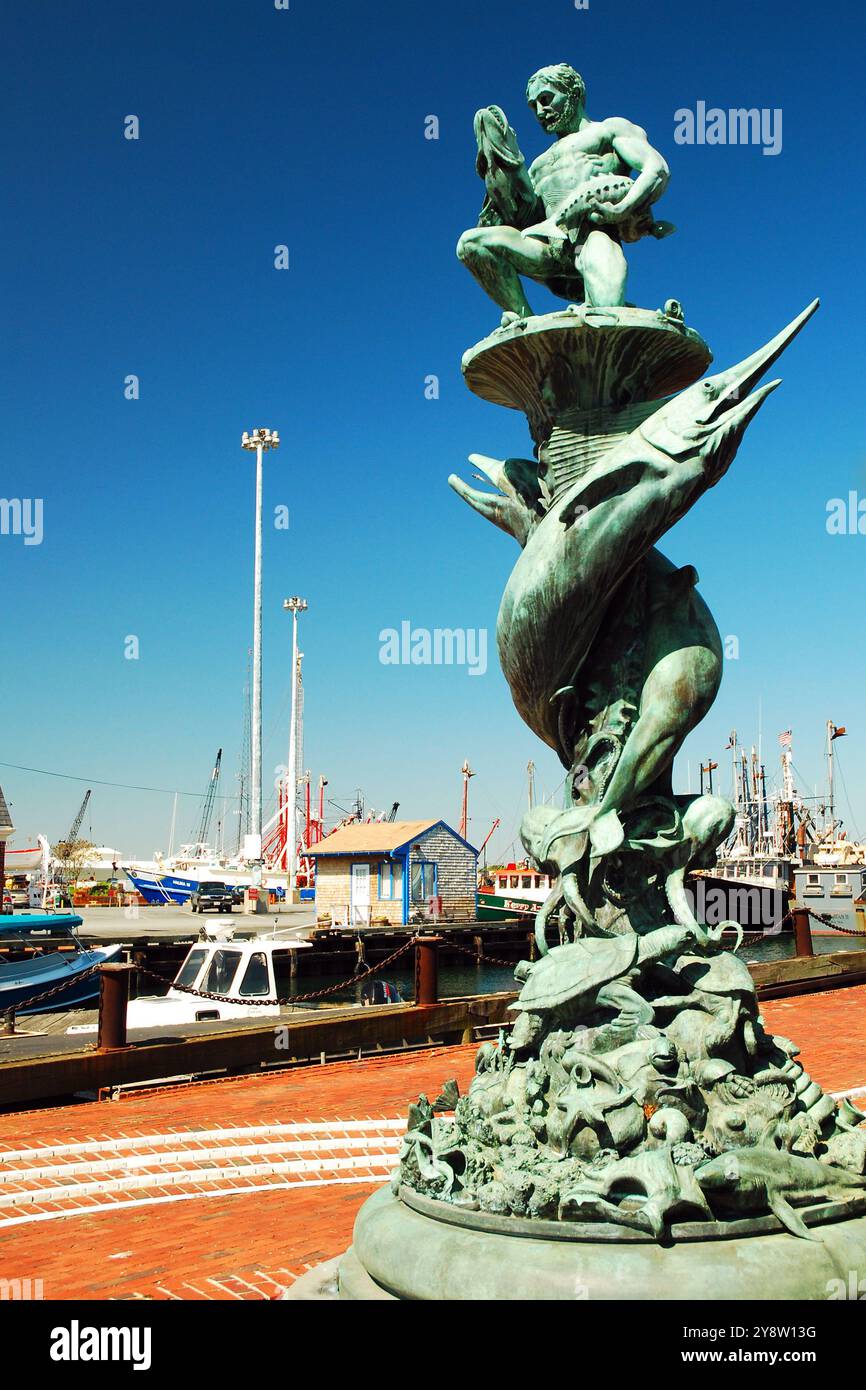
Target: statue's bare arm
{"points": [[630, 142]]}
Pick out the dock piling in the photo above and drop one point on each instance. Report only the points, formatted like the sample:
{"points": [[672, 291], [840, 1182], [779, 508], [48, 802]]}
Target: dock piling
{"points": [[427, 969], [113, 999], [802, 933]]}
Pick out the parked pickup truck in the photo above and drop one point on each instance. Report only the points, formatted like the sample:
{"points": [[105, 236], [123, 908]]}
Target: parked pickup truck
{"points": [[215, 895]]}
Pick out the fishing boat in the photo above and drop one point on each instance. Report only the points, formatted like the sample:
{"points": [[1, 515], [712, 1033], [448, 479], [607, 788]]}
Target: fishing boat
{"points": [[174, 880], [512, 890], [783, 851], [41, 952]]}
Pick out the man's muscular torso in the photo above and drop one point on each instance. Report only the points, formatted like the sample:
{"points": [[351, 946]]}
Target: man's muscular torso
{"points": [[560, 172]]}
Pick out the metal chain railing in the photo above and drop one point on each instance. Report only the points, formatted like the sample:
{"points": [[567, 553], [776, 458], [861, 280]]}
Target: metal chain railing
{"points": [[479, 956], [292, 999], [830, 922], [343, 985], [57, 989]]}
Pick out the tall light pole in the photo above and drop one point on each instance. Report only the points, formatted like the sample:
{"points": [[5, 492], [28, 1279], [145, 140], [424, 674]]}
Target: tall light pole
{"points": [[294, 606], [260, 440]]}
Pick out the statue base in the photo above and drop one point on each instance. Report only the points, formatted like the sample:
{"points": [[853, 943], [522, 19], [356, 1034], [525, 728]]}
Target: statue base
{"points": [[584, 359], [418, 1249]]}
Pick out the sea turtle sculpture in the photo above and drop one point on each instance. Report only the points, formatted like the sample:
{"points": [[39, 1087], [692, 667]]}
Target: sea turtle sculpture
{"points": [[572, 983]]}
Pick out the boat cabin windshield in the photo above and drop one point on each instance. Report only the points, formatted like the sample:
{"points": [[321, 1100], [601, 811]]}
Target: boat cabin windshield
{"points": [[190, 968], [221, 971]]}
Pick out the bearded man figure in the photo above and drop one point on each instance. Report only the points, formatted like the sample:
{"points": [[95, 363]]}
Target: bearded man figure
{"points": [[561, 222]]}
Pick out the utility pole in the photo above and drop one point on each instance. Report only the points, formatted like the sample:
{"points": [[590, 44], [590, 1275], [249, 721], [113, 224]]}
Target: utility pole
{"points": [[259, 440], [294, 606], [464, 817]]}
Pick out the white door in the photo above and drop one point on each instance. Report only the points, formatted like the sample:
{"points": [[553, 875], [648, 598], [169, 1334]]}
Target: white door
{"points": [[360, 894]]}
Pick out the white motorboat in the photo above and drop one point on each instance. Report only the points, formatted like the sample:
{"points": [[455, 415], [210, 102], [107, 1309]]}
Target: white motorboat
{"points": [[238, 966]]}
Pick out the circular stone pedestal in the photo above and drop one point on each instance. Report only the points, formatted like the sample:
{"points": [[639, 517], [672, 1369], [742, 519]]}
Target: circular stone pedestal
{"points": [[402, 1252]]}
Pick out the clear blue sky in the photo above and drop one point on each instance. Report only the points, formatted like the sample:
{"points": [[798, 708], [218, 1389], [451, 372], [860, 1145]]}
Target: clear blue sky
{"points": [[155, 257]]}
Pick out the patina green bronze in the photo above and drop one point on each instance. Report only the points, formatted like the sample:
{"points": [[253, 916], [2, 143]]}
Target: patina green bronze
{"points": [[563, 220], [637, 1123]]}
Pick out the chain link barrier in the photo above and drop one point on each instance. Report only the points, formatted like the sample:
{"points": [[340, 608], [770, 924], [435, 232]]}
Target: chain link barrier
{"points": [[480, 958], [749, 939], [57, 989], [829, 922], [292, 999]]}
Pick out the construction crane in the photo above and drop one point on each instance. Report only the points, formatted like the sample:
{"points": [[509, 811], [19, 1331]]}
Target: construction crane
{"points": [[392, 814], [66, 848], [210, 794], [76, 824]]}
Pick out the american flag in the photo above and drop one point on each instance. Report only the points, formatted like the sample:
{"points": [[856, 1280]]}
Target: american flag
{"points": [[785, 738]]}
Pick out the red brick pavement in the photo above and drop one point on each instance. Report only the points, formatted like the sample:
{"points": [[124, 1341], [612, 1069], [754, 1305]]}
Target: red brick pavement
{"points": [[252, 1244]]}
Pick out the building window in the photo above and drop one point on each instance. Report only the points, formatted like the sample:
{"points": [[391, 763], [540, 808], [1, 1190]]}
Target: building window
{"points": [[423, 881], [391, 880]]}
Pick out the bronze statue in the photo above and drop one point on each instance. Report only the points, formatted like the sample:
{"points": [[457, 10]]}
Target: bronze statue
{"points": [[562, 221]]}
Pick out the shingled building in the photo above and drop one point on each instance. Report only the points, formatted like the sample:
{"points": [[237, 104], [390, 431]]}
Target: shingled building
{"points": [[391, 871]]}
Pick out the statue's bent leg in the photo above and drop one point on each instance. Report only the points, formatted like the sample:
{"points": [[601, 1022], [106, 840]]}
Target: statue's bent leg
{"points": [[497, 257], [603, 267]]}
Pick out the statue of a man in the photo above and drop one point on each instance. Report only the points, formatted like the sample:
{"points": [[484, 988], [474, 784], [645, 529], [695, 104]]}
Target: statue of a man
{"points": [[563, 221]]}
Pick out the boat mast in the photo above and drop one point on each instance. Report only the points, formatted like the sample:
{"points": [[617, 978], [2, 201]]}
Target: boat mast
{"points": [[530, 773], [834, 731], [732, 744], [171, 831], [464, 814]]}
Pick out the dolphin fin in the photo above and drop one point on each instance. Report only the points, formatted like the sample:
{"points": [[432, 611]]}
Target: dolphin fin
{"points": [[788, 1217]]}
